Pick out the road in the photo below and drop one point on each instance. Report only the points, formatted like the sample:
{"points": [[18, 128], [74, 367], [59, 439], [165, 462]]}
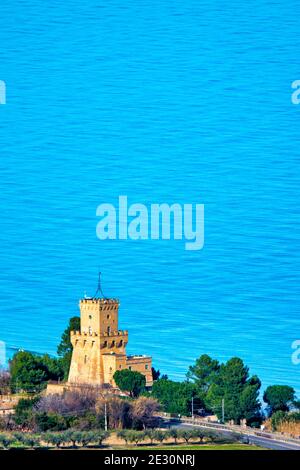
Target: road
{"points": [[257, 440]]}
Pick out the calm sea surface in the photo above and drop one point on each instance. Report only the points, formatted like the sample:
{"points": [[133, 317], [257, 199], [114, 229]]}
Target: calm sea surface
{"points": [[162, 101]]}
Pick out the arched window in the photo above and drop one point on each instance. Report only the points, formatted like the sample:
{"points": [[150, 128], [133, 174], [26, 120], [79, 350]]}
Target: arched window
{"points": [[108, 330]]}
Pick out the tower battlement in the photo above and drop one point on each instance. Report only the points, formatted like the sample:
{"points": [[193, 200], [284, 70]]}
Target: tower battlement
{"points": [[105, 334], [104, 304]]}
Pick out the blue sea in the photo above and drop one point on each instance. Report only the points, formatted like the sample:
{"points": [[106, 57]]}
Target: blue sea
{"points": [[165, 102]]}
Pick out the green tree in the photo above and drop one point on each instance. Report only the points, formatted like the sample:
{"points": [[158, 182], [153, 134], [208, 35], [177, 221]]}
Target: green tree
{"points": [[155, 373], [87, 437], [130, 381], [136, 436], [200, 433], [250, 406], [214, 436], [176, 397], [150, 434], [23, 415], [174, 434], [50, 422], [159, 435], [239, 392], [204, 372], [6, 440], [296, 404], [279, 397], [124, 434], [53, 367], [186, 434], [73, 436], [278, 417], [30, 372], [65, 348], [27, 372], [101, 436], [30, 440], [55, 438]]}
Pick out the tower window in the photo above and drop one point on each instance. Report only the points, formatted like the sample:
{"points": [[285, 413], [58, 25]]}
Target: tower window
{"points": [[108, 330], [85, 359], [146, 366], [107, 317], [90, 317]]}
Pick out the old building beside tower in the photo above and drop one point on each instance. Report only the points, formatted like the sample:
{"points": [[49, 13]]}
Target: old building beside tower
{"points": [[99, 348]]}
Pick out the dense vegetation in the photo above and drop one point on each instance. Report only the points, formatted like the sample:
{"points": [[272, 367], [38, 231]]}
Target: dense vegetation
{"points": [[130, 381], [209, 384], [279, 398], [176, 397], [225, 389], [30, 372], [84, 410], [96, 438]]}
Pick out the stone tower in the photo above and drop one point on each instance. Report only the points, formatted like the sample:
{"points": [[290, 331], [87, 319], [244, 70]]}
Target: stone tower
{"points": [[99, 348]]}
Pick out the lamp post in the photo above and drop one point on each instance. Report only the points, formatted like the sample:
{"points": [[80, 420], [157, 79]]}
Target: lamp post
{"points": [[105, 416], [223, 410]]}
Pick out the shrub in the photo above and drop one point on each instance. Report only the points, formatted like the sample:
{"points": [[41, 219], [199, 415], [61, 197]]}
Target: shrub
{"points": [[200, 434], [73, 436], [50, 422], [101, 436], [27, 439], [277, 418], [214, 436], [6, 440], [143, 412], [130, 381], [87, 437], [124, 434], [150, 434], [159, 436], [174, 434], [136, 436], [54, 438], [24, 412], [186, 434]]}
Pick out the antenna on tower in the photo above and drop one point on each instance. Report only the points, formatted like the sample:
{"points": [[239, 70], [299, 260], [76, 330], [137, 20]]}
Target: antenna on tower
{"points": [[99, 288]]}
